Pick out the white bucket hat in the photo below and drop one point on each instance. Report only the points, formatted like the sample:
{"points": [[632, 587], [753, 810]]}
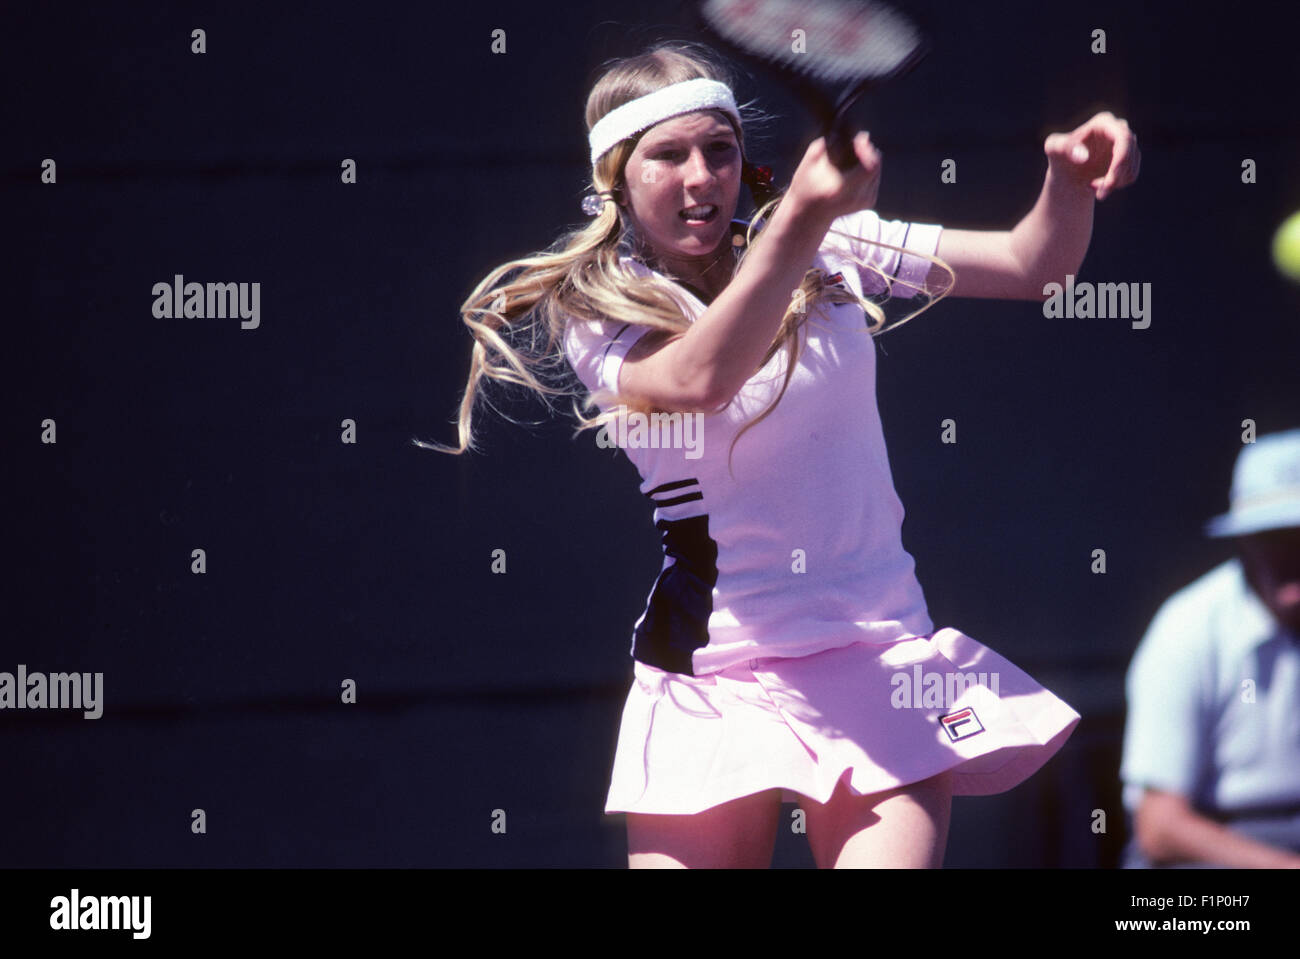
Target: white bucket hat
{"points": [[1265, 488]]}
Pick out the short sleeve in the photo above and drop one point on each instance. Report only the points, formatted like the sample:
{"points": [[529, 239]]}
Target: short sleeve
{"points": [[918, 238], [596, 350], [1170, 693]]}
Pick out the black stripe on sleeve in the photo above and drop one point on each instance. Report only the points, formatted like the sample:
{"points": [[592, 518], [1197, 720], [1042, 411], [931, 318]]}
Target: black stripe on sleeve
{"points": [[604, 356], [899, 266]]}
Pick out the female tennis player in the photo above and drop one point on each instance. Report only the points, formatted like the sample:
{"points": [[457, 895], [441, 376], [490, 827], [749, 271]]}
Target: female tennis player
{"points": [[785, 651]]}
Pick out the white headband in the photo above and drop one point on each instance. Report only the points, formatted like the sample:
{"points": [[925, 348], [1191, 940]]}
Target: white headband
{"points": [[644, 112]]}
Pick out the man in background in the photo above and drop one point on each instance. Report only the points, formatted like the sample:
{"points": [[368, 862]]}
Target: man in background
{"points": [[1211, 764]]}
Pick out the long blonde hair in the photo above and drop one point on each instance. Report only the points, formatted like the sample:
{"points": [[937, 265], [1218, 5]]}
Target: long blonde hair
{"points": [[519, 312]]}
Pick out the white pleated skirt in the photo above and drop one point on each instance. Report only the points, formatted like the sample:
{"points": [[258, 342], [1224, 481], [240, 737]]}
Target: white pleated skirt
{"points": [[877, 716]]}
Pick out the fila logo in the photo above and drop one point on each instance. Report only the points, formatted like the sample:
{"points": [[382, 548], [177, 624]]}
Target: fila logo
{"points": [[961, 725]]}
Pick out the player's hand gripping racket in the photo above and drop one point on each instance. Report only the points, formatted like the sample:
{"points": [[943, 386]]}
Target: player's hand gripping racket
{"points": [[846, 48]]}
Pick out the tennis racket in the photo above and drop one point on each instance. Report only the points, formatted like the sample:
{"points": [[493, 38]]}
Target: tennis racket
{"points": [[830, 52]]}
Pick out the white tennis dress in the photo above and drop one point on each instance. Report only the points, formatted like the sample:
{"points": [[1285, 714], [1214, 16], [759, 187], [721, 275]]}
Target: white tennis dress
{"points": [[793, 559]]}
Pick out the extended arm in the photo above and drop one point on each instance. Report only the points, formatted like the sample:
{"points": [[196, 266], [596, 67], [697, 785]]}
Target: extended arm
{"points": [[1088, 163]]}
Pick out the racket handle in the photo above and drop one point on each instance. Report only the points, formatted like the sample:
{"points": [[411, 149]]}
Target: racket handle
{"points": [[839, 143]]}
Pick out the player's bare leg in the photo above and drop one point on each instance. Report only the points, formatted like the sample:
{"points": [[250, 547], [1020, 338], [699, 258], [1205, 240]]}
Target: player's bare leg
{"points": [[904, 828], [740, 834]]}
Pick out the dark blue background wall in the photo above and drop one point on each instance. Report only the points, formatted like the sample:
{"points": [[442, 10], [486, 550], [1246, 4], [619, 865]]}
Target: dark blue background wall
{"points": [[371, 561]]}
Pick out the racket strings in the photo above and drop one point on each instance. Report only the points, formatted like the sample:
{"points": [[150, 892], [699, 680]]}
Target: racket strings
{"points": [[839, 42]]}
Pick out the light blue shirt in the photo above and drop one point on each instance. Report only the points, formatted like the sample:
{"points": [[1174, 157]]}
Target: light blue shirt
{"points": [[1214, 701]]}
